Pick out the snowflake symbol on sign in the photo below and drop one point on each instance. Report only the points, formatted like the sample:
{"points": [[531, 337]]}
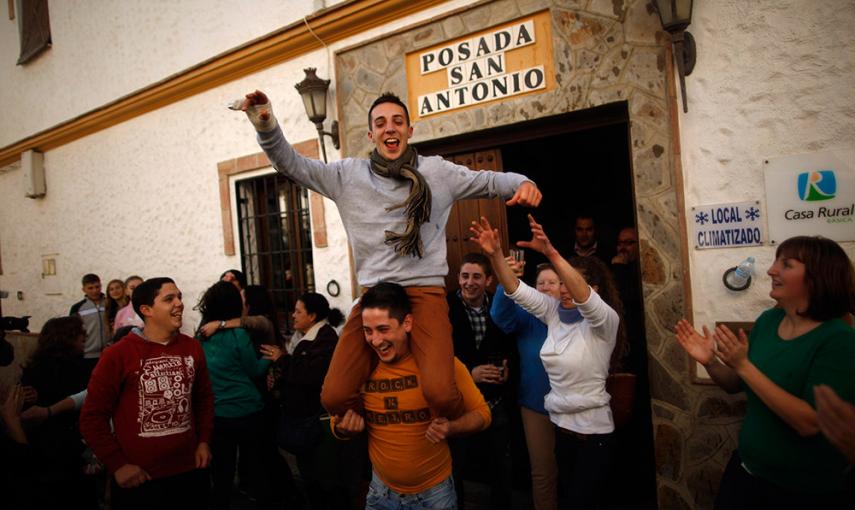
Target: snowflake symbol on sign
{"points": [[752, 213], [702, 218]]}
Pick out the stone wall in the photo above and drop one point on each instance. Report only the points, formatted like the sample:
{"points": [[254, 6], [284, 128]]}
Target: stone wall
{"points": [[605, 51]]}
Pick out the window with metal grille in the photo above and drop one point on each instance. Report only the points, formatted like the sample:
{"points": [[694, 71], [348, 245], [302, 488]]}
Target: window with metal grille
{"points": [[276, 238]]}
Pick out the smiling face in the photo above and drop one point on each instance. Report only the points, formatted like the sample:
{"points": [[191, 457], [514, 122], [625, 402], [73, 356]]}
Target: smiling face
{"points": [[390, 130], [549, 283], [473, 283], [116, 290], [788, 282], [167, 311], [386, 335]]}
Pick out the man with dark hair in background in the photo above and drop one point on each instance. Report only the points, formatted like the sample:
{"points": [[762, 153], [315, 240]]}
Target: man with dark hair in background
{"points": [[93, 312], [154, 388], [486, 351]]}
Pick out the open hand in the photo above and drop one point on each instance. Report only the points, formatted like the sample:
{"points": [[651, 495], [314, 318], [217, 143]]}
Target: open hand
{"points": [[527, 195], [210, 328], [700, 347], [836, 419], [487, 237], [730, 348], [539, 241], [271, 352]]}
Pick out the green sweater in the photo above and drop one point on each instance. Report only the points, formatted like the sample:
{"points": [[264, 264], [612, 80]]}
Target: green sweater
{"points": [[233, 367], [771, 449]]}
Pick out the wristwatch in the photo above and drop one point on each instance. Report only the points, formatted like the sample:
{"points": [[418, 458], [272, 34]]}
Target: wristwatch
{"points": [[221, 325]]}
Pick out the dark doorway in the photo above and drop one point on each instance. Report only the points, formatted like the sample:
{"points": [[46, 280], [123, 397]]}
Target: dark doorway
{"points": [[581, 162]]}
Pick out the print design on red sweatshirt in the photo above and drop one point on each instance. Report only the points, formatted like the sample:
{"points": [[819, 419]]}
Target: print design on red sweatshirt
{"points": [[166, 386]]}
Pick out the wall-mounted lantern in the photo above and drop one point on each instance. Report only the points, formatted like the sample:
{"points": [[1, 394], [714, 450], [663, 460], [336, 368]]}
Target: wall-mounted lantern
{"points": [[313, 90], [675, 16]]}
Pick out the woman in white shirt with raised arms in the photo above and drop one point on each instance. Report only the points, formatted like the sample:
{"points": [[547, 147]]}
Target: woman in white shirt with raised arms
{"points": [[582, 330]]}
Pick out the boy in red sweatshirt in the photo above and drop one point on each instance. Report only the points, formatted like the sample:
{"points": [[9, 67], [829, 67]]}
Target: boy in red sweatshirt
{"points": [[154, 386]]}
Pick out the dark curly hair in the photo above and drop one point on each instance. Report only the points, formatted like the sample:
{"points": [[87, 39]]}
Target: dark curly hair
{"points": [[220, 302], [596, 273], [58, 340]]}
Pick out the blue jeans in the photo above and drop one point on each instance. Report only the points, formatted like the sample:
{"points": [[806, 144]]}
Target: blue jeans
{"points": [[439, 497]]}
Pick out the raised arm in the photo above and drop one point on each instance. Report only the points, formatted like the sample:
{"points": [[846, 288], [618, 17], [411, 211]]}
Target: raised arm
{"points": [[487, 238], [318, 176], [572, 280]]}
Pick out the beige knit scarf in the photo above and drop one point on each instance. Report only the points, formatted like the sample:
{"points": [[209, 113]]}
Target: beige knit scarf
{"points": [[417, 204]]}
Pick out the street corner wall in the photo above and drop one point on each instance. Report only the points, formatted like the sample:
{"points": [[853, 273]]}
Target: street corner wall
{"points": [[604, 52], [773, 78]]}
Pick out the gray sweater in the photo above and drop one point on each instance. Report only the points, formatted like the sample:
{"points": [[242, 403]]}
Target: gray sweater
{"points": [[362, 198]]}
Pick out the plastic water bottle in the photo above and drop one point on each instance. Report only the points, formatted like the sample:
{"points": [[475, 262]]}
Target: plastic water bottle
{"points": [[740, 278]]}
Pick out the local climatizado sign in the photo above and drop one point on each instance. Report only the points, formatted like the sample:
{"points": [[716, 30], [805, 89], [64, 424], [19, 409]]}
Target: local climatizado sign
{"points": [[727, 225], [505, 61], [811, 194]]}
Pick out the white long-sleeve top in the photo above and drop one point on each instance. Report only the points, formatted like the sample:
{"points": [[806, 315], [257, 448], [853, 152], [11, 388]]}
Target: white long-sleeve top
{"points": [[576, 358]]}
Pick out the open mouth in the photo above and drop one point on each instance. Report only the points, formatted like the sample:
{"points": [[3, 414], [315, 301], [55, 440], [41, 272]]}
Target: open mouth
{"points": [[384, 350], [392, 143]]}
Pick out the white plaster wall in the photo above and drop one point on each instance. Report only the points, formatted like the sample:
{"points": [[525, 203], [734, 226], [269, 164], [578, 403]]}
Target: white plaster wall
{"points": [[773, 78], [104, 49], [142, 196]]}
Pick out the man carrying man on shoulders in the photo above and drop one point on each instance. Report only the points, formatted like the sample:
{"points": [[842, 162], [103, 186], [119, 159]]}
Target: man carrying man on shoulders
{"points": [[406, 443], [394, 207]]}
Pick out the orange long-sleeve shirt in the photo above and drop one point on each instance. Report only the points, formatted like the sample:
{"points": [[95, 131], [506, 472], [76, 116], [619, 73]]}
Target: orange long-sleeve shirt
{"points": [[397, 417]]}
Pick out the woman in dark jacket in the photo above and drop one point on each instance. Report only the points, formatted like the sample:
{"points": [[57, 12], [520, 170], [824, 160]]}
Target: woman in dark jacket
{"points": [[56, 369], [300, 375]]}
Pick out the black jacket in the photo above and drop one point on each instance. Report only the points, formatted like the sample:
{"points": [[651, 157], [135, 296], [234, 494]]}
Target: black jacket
{"points": [[495, 343], [303, 373]]}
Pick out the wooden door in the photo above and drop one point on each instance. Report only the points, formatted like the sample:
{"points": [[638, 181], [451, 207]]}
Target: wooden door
{"points": [[465, 211]]}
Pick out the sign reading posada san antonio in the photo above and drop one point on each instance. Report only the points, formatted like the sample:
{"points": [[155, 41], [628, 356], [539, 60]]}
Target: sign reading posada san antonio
{"points": [[509, 60]]}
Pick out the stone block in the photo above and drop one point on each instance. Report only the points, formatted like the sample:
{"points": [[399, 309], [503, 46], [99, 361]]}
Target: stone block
{"points": [[668, 451], [374, 58], [704, 442], [703, 483], [670, 499], [713, 408], [646, 70], [368, 80], [641, 24], [453, 27], [665, 388], [614, 9]]}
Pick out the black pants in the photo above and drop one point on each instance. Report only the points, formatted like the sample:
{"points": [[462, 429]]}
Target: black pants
{"points": [[229, 434], [185, 491], [487, 452], [741, 490], [583, 468]]}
